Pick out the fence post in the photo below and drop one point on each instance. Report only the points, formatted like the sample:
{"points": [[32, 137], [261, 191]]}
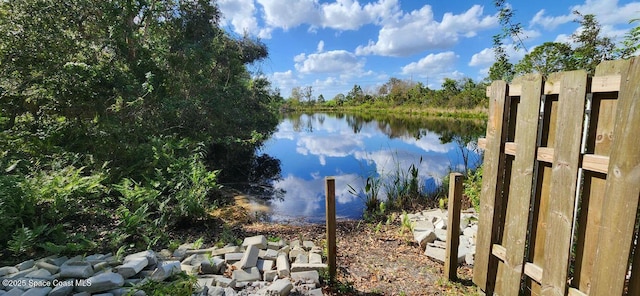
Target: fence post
{"points": [[485, 264], [453, 226], [622, 191], [331, 226]]}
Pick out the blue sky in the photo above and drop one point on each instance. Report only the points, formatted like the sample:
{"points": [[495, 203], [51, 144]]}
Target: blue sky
{"points": [[332, 45]]}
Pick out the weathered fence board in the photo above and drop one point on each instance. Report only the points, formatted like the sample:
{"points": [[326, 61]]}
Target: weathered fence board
{"points": [[560, 198], [547, 138], [564, 177], [516, 220], [599, 145], [622, 190], [492, 179]]}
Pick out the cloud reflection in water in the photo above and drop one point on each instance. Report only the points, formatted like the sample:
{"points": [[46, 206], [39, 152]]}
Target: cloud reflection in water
{"points": [[311, 147]]}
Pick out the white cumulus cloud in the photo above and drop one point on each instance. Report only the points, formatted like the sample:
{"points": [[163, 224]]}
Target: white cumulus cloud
{"points": [[432, 64], [335, 61], [240, 14], [484, 57], [320, 46], [607, 12], [339, 15], [418, 30], [287, 14], [550, 22]]}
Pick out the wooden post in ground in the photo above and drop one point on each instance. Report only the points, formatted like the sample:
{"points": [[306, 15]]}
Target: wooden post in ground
{"points": [[331, 226], [453, 226]]}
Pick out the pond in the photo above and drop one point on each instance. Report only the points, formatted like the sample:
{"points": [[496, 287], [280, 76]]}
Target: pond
{"points": [[352, 148]]}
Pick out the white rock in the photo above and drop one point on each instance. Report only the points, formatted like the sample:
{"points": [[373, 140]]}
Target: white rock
{"points": [[265, 265], [268, 254], [441, 234], [280, 287], [296, 267], [422, 225], [61, 290], [14, 292], [282, 265], [469, 258], [132, 266], [215, 291], [225, 282], [295, 251], [315, 258], [38, 291], [25, 265], [76, 269], [440, 223], [102, 282], [424, 237], [214, 265], [246, 275], [231, 258], [152, 258], [39, 274], [307, 245], [440, 254], [306, 276], [469, 232], [53, 269], [275, 245], [249, 258], [225, 250], [270, 275], [165, 269], [259, 241], [190, 269], [302, 258], [8, 270]]}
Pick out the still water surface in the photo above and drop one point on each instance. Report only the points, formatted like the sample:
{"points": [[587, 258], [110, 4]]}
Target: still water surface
{"points": [[351, 148]]}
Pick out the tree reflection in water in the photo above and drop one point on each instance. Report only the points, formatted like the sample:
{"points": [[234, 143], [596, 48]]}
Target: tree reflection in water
{"points": [[245, 170], [348, 146]]}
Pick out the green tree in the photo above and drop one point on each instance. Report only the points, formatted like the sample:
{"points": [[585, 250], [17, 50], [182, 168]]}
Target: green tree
{"points": [[592, 48], [307, 95], [502, 69], [450, 86], [355, 95], [296, 96], [547, 58], [339, 99], [89, 82], [631, 42]]}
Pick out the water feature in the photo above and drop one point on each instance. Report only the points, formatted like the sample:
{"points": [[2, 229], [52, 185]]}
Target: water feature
{"points": [[351, 148]]}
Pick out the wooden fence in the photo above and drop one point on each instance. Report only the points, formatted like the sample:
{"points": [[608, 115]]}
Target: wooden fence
{"points": [[561, 184]]}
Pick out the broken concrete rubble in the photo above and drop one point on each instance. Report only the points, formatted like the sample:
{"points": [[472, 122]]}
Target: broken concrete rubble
{"points": [[429, 231], [257, 267]]}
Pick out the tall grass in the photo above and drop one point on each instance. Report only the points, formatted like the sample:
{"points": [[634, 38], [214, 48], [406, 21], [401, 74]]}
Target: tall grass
{"points": [[402, 189], [397, 190]]}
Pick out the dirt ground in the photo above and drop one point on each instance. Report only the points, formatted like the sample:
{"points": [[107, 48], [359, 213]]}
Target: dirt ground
{"points": [[375, 259]]}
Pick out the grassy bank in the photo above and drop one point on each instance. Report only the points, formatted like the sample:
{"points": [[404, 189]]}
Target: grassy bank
{"points": [[417, 111]]}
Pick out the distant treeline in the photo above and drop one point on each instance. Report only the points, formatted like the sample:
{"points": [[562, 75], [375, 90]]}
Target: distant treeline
{"points": [[460, 94]]}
